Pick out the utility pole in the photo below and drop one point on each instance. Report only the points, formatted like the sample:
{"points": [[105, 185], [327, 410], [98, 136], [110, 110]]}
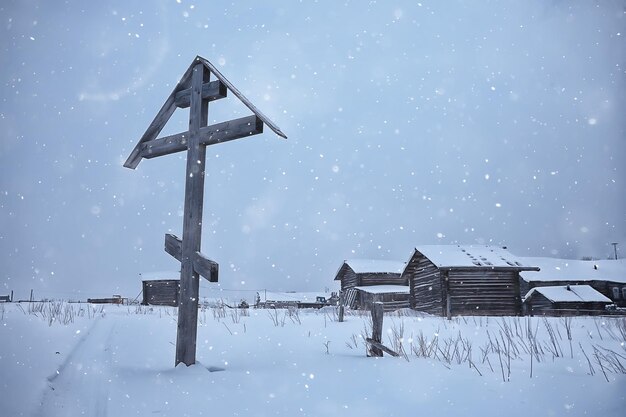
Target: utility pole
{"points": [[615, 249]]}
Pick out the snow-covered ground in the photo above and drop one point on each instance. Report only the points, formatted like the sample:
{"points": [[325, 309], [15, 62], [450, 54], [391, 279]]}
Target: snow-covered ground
{"points": [[118, 361]]}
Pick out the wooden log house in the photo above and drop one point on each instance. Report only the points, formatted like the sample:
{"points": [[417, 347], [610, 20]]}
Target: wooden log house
{"points": [[607, 276], [365, 281], [565, 300], [452, 280]]}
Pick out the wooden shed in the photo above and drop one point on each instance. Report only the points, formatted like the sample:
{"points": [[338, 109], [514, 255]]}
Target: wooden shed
{"points": [[358, 278], [607, 276], [161, 288], [565, 300], [451, 280], [393, 297]]}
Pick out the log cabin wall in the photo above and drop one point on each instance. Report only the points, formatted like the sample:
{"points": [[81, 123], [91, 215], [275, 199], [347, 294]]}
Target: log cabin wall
{"points": [[391, 301], [349, 278], [425, 286], [483, 292], [381, 278]]}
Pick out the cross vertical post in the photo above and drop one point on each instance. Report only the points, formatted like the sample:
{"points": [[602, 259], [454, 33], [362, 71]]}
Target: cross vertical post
{"points": [[192, 223]]}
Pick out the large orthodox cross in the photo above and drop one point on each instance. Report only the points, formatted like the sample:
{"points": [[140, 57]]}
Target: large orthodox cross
{"points": [[194, 90]]}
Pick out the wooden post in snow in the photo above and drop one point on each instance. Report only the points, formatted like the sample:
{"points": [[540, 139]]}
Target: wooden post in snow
{"points": [[195, 91], [377, 328], [341, 308]]}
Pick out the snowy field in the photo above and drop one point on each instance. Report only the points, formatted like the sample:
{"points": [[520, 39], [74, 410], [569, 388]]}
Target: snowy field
{"points": [[61, 359]]}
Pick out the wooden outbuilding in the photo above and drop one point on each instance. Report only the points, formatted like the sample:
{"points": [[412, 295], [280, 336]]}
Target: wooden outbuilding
{"points": [[393, 297], [607, 276], [364, 281], [161, 289], [452, 280], [565, 300]]}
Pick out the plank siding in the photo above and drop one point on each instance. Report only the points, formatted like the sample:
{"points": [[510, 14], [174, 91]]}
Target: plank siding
{"points": [[379, 278], [425, 286], [462, 291], [363, 300], [484, 293], [349, 278], [391, 301], [162, 292]]}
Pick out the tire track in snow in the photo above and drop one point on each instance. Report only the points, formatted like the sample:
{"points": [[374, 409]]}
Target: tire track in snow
{"points": [[81, 385]]}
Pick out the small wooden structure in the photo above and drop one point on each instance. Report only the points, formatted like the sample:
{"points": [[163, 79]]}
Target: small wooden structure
{"points": [[450, 280], [364, 281], [296, 300], [607, 276], [194, 91], [161, 292], [565, 300], [116, 299], [393, 297]]}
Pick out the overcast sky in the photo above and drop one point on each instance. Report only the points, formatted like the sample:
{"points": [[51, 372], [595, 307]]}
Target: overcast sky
{"points": [[409, 123]]}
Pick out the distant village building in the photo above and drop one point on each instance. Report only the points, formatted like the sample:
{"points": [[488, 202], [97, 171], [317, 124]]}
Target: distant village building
{"points": [[608, 277], [116, 299], [565, 300], [270, 299], [161, 288], [364, 281], [451, 280]]}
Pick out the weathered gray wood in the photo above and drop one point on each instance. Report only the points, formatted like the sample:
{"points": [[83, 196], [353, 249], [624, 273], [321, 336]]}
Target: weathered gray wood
{"points": [[210, 91], [178, 97], [194, 90], [192, 222], [161, 292], [159, 121], [377, 328], [210, 135], [173, 246], [382, 347], [341, 306], [205, 267]]}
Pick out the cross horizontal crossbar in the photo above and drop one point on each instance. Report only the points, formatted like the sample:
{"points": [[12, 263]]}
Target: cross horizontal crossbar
{"points": [[210, 91], [209, 135], [201, 264]]}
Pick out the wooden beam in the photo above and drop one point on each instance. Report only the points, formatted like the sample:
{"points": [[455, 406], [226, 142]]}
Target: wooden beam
{"points": [[205, 267], [209, 135], [186, 335], [377, 329], [241, 97], [159, 121], [381, 347], [173, 246], [210, 91]]}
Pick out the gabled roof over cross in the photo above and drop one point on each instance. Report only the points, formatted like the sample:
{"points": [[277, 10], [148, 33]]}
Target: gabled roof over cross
{"points": [[149, 146]]}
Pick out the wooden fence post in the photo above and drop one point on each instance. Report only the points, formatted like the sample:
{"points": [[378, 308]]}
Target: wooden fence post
{"points": [[341, 308], [377, 328]]}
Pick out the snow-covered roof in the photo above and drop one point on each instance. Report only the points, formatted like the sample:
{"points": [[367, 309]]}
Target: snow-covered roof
{"points": [[569, 293], [144, 276], [361, 266], [384, 289], [553, 269], [471, 256]]}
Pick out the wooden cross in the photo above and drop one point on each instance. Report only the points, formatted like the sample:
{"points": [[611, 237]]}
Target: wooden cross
{"points": [[194, 90]]}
